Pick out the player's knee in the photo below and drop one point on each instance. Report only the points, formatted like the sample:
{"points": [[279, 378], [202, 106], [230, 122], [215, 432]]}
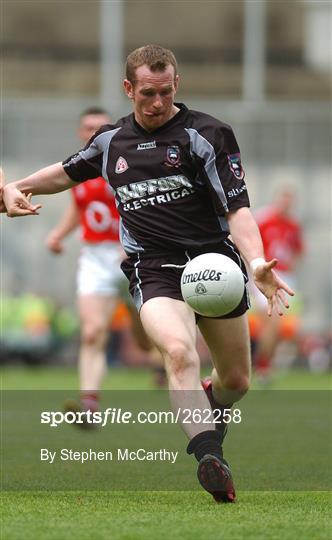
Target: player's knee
{"points": [[237, 382], [93, 334], [180, 358]]}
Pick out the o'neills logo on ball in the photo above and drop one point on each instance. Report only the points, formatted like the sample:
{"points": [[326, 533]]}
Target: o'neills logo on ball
{"points": [[203, 275], [200, 289]]}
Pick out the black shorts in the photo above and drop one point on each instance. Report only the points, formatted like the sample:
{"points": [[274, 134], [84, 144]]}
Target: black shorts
{"points": [[151, 276]]}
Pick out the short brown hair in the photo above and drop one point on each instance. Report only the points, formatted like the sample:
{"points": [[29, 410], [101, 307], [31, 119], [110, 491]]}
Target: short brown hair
{"points": [[157, 58], [94, 110]]}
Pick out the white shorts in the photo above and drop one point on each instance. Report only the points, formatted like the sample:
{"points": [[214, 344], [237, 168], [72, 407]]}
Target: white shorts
{"points": [[99, 269]]}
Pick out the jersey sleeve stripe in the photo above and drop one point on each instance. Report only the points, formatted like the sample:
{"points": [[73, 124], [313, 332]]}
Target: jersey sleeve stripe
{"points": [[99, 145], [203, 149]]}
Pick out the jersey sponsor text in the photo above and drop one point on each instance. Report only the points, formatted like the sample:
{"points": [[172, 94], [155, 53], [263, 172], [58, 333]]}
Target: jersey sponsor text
{"points": [[159, 199], [152, 186]]}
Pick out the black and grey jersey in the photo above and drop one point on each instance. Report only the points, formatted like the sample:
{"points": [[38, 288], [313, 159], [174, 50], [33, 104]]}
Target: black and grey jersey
{"points": [[173, 186]]}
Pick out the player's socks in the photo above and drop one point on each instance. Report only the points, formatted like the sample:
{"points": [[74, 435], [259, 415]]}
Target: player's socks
{"points": [[262, 365], [218, 409], [206, 442], [213, 471], [90, 401]]}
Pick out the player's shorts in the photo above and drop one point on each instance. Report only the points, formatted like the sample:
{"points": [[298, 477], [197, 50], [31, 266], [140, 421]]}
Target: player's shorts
{"points": [[160, 275], [99, 269]]}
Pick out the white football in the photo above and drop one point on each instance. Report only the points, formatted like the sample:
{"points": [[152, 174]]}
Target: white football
{"points": [[212, 284]]}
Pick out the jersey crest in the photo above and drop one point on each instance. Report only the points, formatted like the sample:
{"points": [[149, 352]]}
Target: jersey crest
{"points": [[121, 165], [234, 162], [173, 156]]}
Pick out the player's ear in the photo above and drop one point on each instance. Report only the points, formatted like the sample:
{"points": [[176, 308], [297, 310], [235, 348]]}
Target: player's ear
{"points": [[128, 88], [176, 82]]}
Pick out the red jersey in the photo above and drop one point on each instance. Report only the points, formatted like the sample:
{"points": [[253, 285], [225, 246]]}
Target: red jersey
{"points": [[282, 238], [99, 217]]}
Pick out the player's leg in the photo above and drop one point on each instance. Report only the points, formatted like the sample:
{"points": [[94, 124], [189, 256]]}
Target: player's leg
{"points": [[154, 356], [266, 346], [171, 325], [229, 344], [97, 290], [95, 312], [267, 338]]}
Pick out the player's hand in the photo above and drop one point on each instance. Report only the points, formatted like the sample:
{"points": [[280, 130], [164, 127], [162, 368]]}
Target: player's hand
{"points": [[2, 183], [274, 288], [54, 243], [18, 204]]}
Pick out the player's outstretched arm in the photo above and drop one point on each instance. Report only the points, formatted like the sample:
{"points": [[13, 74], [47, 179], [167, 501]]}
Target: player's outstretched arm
{"points": [[68, 222], [17, 195], [247, 238]]}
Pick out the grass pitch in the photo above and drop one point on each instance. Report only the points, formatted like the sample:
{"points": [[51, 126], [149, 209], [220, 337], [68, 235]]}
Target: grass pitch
{"points": [[139, 515], [165, 515], [60, 378]]}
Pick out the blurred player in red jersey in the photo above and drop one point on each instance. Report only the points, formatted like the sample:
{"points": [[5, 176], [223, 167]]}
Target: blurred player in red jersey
{"points": [[282, 239], [99, 277]]}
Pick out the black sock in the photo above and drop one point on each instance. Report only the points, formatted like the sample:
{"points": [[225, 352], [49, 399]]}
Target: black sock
{"points": [[206, 442]]}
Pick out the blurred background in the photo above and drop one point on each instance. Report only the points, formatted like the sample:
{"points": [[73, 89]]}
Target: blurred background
{"points": [[262, 66]]}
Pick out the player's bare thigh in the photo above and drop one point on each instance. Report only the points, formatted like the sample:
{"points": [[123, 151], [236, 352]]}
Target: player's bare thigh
{"points": [[168, 321], [95, 312], [171, 326], [229, 343]]}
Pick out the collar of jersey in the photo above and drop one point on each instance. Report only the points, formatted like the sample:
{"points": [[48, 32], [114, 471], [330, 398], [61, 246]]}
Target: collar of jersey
{"points": [[173, 120]]}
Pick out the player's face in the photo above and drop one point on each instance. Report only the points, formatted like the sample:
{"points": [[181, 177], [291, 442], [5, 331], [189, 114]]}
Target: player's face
{"points": [[285, 202], [90, 124], [153, 96]]}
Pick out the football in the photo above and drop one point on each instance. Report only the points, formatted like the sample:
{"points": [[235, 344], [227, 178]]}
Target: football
{"points": [[212, 284]]}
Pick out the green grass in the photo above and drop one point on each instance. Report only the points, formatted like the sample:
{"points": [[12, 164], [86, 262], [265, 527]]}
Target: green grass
{"points": [[60, 378], [121, 515], [63, 378], [152, 515]]}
